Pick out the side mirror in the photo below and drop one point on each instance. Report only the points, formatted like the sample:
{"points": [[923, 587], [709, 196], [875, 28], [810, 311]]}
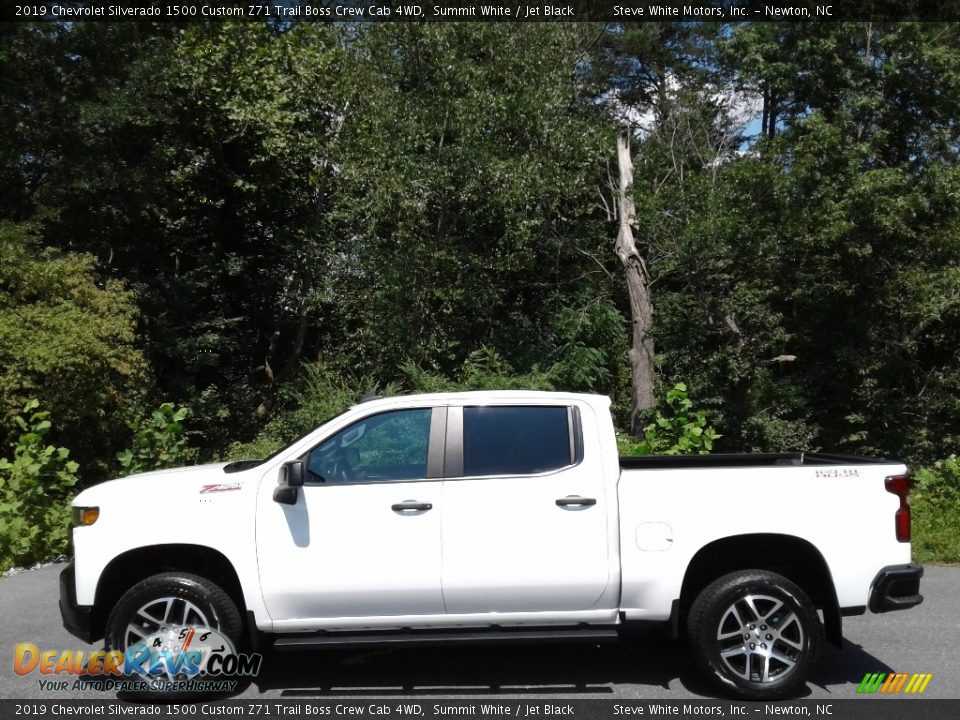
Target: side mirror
{"points": [[285, 495], [293, 473], [291, 479]]}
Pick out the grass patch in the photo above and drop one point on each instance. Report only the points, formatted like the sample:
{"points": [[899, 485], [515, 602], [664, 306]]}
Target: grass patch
{"points": [[936, 531]]}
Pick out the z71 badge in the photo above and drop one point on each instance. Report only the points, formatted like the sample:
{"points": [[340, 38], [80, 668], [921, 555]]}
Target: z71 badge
{"points": [[219, 487]]}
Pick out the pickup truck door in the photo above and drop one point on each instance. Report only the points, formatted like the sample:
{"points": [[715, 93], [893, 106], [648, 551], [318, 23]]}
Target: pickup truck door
{"points": [[524, 525], [363, 538]]}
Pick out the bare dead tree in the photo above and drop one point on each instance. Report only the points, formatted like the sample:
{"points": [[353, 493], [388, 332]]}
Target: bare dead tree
{"points": [[638, 285]]}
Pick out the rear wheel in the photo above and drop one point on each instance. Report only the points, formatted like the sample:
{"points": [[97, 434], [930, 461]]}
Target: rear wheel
{"points": [[755, 634]]}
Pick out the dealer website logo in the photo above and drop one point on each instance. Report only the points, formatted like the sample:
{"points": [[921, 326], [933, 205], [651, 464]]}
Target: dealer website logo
{"points": [[176, 658], [894, 683]]}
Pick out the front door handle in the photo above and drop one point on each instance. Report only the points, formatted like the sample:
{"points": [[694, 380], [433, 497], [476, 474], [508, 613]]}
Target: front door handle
{"points": [[411, 505], [575, 500]]}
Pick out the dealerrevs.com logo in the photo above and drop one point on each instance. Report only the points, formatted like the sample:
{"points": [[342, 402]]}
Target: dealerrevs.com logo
{"points": [[894, 683], [176, 658]]}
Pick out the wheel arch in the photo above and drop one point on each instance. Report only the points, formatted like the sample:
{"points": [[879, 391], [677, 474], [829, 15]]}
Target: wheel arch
{"points": [[788, 555], [130, 567]]}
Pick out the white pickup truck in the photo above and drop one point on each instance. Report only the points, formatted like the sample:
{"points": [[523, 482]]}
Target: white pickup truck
{"points": [[498, 516]]}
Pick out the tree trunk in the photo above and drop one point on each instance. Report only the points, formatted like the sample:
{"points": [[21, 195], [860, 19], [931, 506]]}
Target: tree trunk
{"points": [[638, 285], [293, 359]]}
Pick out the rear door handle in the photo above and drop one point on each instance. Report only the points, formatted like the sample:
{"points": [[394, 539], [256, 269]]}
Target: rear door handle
{"points": [[575, 500], [411, 506]]}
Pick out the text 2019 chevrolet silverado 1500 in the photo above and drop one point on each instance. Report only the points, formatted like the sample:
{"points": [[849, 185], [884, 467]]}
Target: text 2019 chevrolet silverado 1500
{"points": [[494, 516]]}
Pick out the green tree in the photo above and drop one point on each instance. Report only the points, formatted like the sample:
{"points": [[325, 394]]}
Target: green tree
{"points": [[197, 170], [810, 292], [361, 195], [69, 342], [289, 201], [469, 185]]}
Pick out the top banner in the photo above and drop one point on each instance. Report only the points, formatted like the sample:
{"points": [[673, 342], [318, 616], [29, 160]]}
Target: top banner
{"points": [[619, 11]]}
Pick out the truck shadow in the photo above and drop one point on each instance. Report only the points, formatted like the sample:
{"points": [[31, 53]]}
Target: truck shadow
{"points": [[658, 666], [841, 672]]}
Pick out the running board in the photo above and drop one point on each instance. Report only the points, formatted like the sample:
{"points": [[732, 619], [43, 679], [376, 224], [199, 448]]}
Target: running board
{"points": [[483, 637]]}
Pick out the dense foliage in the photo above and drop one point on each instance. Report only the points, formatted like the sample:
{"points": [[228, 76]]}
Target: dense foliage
{"points": [[259, 223], [35, 488]]}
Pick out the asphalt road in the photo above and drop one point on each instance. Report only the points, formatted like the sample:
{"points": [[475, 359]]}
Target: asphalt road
{"points": [[924, 639]]}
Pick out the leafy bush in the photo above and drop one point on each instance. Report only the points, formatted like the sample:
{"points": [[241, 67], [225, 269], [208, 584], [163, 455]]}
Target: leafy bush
{"points": [[34, 493], [935, 507], [681, 431], [159, 441], [484, 369]]}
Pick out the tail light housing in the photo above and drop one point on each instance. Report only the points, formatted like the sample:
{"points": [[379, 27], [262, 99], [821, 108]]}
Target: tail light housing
{"points": [[899, 485]]}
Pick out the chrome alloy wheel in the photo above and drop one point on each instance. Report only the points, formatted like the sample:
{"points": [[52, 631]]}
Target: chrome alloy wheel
{"points": [[760, 638], [163, 619], [182, 620]]}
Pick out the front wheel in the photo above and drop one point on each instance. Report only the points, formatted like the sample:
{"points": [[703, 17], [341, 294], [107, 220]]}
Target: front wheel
{"points": [[755, 634], [166, 613]]}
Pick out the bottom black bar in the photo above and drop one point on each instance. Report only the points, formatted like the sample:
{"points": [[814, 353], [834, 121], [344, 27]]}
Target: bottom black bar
{"points": [[871, 707]]}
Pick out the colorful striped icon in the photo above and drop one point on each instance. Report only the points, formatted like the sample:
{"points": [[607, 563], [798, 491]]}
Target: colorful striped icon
{"points": [[892, 683]]}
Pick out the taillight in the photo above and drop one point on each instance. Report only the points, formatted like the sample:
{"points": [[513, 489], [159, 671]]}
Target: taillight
{"points": [[899, 485]]}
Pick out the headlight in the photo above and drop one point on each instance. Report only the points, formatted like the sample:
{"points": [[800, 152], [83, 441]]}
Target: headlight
{"points": [[85, 516]]}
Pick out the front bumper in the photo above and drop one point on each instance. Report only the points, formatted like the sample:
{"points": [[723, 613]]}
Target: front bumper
{"points": [[77, 619], [896, 587]]}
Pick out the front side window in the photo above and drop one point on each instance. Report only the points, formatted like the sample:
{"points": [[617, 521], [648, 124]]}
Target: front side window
{"points": [[522, 440], [388, 447]]}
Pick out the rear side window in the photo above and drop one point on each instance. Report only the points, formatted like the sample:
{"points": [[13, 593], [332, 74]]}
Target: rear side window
{"points": [[516, 440]]}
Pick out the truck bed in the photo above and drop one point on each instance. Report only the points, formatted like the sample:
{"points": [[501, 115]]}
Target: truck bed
{"points": [[727, 460]]}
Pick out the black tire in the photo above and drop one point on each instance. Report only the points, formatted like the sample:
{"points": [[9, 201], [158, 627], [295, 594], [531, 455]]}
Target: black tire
{"points": [[772, 652], [216, 607]]}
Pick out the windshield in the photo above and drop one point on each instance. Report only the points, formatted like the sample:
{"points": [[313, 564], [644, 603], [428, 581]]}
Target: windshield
{"points": [[240, 465]]}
